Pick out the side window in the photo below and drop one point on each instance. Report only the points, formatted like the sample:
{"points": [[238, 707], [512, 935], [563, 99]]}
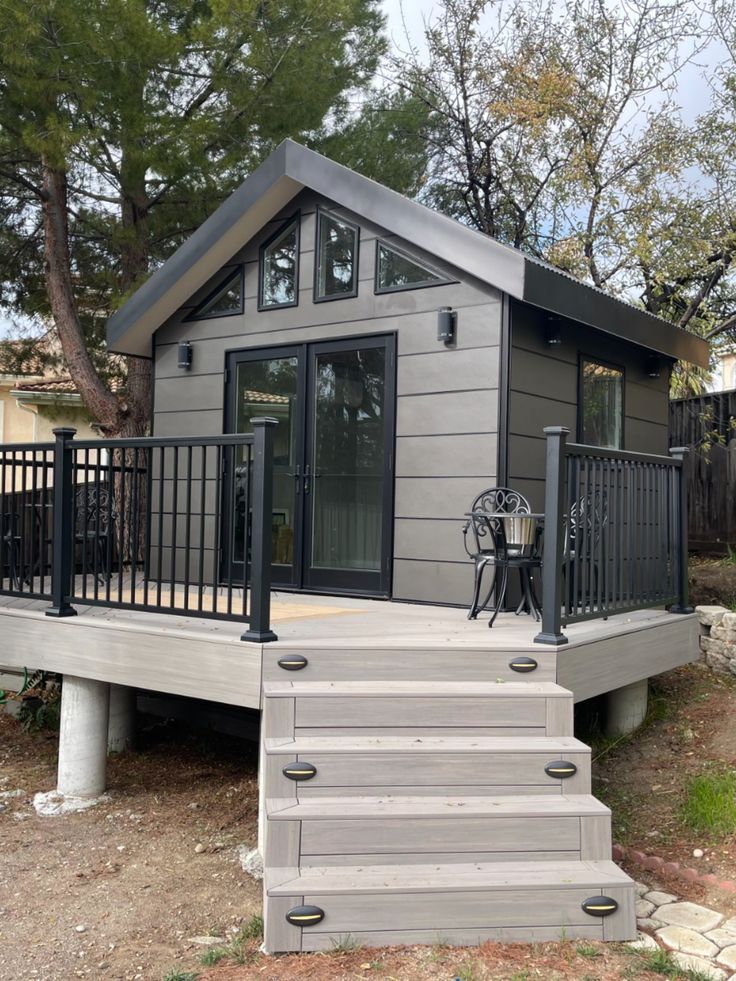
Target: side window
{"points": [[396, 270], [337, 258], [225, 300], [601, 404], [278, 284]]}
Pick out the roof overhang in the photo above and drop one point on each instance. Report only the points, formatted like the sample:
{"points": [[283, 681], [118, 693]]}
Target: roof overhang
{"points": [[290, 169]]}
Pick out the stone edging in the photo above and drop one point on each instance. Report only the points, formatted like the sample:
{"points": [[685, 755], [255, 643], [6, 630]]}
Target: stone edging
{"points": [[718, 638], [656, 864]]}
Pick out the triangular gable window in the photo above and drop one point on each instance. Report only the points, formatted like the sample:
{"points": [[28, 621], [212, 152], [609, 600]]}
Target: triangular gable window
{"points": [[225, 300], [397, 271]]}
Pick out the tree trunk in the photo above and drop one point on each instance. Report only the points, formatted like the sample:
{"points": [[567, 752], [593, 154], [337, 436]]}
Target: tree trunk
{"points": [[101, 403]]}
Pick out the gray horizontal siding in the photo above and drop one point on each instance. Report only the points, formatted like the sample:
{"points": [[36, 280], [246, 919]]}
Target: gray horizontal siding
{"points": [[447, 397], [544, 392]]}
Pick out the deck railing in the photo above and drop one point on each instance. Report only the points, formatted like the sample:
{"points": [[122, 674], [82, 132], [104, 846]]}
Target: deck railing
{"points": [[167, 525], [615, 534]]}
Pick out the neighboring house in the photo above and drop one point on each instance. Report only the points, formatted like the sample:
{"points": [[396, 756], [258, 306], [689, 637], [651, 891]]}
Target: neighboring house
{"points": [[419, 779], [35, 398]]}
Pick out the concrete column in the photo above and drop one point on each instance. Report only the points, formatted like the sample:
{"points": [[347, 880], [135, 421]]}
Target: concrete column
{"points": [[626, 708], [121, 726], [85, 709]]}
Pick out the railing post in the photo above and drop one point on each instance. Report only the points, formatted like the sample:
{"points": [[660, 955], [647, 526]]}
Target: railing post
{"points": [[62, 559], [259, 630], [554, 537], [681, 545]]}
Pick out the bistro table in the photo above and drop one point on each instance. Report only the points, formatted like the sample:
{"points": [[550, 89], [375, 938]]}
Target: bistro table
{"points": [[514, 541]]}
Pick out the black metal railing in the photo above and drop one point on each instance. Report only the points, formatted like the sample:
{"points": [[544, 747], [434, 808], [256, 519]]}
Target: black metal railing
{"points": [[167, 525], [26, 495], [615, 534]]}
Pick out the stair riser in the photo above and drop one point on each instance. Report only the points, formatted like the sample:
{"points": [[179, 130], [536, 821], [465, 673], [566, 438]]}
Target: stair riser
{"points": [[356, 841], [551, 716], [456, 664], [476, 914], [346, 772]]}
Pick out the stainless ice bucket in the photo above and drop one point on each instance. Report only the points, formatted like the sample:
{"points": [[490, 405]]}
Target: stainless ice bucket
{"points": [[519, 529]]}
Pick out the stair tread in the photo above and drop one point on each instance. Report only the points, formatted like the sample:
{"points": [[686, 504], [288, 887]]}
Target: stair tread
{"points": [[390, 806], [427, 744], [483, 876], [416, 689]]}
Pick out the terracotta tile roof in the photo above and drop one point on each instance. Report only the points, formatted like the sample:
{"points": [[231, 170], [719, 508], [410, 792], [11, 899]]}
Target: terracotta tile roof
{"points": [[48, 385], [251, 396]]}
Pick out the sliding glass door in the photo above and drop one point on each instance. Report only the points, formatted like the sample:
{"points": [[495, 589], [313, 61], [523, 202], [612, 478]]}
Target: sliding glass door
{"points": [[333, 467]]}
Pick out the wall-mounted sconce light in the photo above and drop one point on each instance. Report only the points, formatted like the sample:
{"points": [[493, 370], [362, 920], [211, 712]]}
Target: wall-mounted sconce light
{"points": [[553, 332], [654, 366], [446, 323], [185, 355]]}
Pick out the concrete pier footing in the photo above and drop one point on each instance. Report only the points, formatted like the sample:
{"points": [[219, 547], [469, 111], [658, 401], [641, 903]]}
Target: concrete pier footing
{"points": [[626, 708], [121, 724], [85, 710]]}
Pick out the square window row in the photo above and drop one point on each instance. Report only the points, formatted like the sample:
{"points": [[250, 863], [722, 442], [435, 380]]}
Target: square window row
{"points": [[336, 270]]}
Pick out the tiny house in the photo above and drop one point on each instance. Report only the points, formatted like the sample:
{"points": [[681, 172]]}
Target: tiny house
{"points": [[410, 361], [338, 373]]}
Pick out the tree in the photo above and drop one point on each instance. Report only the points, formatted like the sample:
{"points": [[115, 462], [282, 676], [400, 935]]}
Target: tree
{"points": [[123, 123], [557, 130]]}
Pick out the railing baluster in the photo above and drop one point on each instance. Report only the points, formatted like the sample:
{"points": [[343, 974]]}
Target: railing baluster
{"points": [[174, 527]]}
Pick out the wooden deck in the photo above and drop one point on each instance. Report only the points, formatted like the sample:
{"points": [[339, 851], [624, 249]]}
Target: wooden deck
{"points": [[343, 639]]}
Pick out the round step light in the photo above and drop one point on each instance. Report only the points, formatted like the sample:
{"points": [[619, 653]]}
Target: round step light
{"points": [[299, 771], [599, 906], [292, 662], [560, 769], [523, 664], [305, 916]]}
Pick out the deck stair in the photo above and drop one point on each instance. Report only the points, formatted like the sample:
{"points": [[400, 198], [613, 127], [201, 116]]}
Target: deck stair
{"points": [[414, 812]]}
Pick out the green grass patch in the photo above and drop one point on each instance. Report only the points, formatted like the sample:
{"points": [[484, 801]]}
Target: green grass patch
{"points": [[176, 975], [710, 803]]}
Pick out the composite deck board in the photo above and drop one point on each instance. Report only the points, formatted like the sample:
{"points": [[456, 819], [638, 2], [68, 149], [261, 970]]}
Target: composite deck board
{"points": [[378, 808]]}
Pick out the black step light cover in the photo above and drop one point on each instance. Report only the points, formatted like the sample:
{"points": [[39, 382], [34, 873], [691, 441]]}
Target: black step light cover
{"points": [[560, 769], [299, 771], [523, 664], [293, 662], [599, 906], [305, 916]]}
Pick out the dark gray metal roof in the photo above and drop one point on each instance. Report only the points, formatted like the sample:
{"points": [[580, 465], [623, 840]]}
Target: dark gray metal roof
{"points": [[292, 167]]}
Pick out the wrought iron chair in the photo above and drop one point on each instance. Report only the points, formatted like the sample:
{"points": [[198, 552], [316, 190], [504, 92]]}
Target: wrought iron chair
{"points": [[12, 545], [586, 520], [492, 547], [94, 528]]}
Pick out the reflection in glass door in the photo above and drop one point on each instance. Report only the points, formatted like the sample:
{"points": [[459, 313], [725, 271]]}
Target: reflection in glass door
{"points": [[271, 387], [334, 402], [348, 444]]}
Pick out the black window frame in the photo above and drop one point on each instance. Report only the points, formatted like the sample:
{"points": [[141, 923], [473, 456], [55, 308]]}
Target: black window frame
{"points": [[213, 294], [294, 219], [584, 356], [425, 284], [321, 214]]}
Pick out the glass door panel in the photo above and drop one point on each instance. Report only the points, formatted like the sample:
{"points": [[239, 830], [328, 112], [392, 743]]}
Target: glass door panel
{"points": [[270, 387], [348, 450]]}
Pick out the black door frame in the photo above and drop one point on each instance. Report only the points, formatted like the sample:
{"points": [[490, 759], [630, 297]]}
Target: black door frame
{"points": [[306, 353]]}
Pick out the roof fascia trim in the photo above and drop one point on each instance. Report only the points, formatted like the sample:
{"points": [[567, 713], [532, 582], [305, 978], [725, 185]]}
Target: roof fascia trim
{"points": [[553, 291]]}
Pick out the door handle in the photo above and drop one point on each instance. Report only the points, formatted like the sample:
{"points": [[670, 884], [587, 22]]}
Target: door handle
{"points": [[297, 477]]}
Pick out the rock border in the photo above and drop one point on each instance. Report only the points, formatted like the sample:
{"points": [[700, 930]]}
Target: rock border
{"points": [[718, 638], [656, 864]]}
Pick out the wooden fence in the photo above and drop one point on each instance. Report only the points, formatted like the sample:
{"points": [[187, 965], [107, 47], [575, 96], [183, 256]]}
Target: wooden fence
{"points": [[706, 424]]}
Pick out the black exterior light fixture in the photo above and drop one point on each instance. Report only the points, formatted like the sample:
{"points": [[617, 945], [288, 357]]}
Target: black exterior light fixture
{"points": [[553, 331], [654, 366], [446, 324], [185, 355]]}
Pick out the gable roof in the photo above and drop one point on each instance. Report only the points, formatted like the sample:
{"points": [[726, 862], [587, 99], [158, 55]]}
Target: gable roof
{"points": [[290, 169]]}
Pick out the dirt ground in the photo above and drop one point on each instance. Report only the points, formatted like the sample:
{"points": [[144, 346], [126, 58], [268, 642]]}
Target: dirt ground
{"points": [[642, 779], [127, 872], [116, 892], [712, 581]]}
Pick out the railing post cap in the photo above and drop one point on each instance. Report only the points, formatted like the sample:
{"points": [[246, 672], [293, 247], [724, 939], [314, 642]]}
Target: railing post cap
{"points": [[64, 431], [679, 450], [556, 431], [264, 421]]}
